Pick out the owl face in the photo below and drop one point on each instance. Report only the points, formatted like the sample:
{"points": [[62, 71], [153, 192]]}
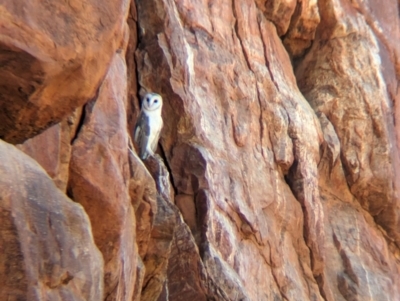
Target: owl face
{"points": [[152, 102]]}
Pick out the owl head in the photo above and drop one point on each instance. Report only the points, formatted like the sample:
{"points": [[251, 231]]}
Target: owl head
{"points": [[152, 102]]}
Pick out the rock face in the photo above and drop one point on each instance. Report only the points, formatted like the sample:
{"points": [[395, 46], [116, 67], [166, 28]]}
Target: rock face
{"points": [[277, 174], [53, 58], [95, 181], [46, 243]]}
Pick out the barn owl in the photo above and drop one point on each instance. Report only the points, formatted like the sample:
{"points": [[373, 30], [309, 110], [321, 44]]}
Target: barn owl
{"points": [[148, 125]]}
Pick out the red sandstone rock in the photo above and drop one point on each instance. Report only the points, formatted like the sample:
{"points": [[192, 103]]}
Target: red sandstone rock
{"points": [[143, 194], [237, 127], [47, 250], [279, 12], [187, 278], [53, 59], [287, 184], [221, 89], [162, 233], [343, 79], [133, 106], [302, 28], [98, 180], [52, 148]]}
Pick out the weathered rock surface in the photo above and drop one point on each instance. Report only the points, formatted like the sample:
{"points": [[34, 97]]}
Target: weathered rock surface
{"points": [[347, 77], [237, 129], [52, 148], [162, 232], [277, 172], [53, 59], [235, 114], [187, 277], [98, 180], [47, 250]]}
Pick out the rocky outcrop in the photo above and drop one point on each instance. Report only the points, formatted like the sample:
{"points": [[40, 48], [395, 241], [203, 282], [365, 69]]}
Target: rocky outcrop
{"points": [[52, 148], [159, 245], [46, 242], [230, 115], [347, 78], [261, 121], [276, 176], [99, 182], [53, 59]]}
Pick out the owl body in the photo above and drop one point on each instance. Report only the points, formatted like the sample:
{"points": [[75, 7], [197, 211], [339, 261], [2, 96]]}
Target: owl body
{"points": [[149, 125]]}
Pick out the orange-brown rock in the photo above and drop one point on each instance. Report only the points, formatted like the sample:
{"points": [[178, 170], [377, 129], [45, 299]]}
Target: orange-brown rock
{"points": [[162, 233], [343, 78], [238, 129], [277, 172], [280, 12], [133, 103], [187, 278], [143, 194], [98, 180], [52, 148], [224, 132], [53, 59], [303, 25], [47, 250]]}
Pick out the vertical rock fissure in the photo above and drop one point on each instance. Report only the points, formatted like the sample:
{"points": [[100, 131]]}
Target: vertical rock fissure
{"points": [[267, 63], [238, 35], [167, 165], [261, 122], [82, 118], [132, 70], [297, 181], [247, 60], [80, 124]]}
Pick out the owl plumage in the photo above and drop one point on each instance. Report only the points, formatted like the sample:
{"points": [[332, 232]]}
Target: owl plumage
{"points": [[148, 125]]}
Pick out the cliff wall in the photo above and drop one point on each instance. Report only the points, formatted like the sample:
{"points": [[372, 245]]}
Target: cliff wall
{"points": [[277, 172]]}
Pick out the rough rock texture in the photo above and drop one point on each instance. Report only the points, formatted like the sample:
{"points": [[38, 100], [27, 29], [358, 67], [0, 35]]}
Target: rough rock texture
{"points": [[54, 56], [99, 175], [187, 277], [47, 250], [277, 175], [349, 78], [52, 148], [238, 129], [246, 111], [161, 236]]}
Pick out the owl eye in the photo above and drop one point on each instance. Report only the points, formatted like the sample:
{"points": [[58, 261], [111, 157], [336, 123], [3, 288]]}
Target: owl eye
{"points": [[156, 101], [147, 99]]}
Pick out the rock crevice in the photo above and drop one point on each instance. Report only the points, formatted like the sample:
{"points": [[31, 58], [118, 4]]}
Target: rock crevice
{"points": [[276, 176]]}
